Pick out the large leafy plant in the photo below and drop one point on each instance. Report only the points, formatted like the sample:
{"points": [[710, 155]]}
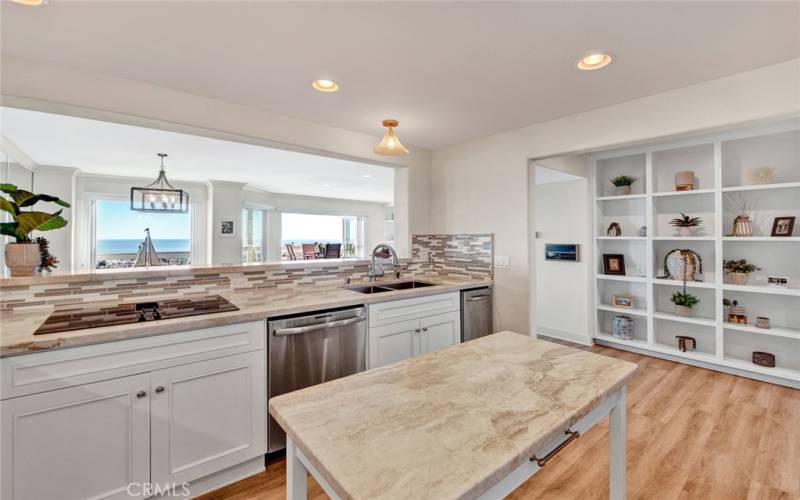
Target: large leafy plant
{"points": [[684, 299], [25, 222]]}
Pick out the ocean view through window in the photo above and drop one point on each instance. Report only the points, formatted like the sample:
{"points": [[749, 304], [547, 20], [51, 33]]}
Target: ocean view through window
{"points": [[319, 230], [119, 232]]}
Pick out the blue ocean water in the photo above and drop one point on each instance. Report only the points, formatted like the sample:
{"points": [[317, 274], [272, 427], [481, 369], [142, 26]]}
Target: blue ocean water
{"points": [[131, 246]]}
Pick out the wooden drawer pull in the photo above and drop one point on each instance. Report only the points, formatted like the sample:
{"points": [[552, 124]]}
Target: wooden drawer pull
{"points": [[541, 462]]}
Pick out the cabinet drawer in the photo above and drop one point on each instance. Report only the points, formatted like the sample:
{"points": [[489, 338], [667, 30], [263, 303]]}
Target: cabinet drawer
{"points": [[386, 313], [44, 371]]}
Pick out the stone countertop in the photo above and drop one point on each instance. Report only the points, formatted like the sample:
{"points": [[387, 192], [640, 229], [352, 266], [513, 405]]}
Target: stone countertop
{"points": [[17, 326], [449, 424]]}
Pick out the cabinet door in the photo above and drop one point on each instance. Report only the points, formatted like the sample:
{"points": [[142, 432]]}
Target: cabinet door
{"points": [[394, 342], [89, 441], [440, 331], [207, 416]]}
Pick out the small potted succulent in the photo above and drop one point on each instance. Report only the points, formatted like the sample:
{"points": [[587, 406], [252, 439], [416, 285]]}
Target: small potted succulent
{"points": [[684, 302], [739, 270], [623, 183], [23, 256], [685, 224]]}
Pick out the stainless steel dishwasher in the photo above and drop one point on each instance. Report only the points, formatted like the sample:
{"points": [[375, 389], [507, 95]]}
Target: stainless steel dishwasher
{"points": [[476, 313], [312, 348]]}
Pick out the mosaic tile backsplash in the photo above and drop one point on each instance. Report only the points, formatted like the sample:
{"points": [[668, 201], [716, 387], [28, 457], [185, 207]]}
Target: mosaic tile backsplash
{"points": [[467, 256]]}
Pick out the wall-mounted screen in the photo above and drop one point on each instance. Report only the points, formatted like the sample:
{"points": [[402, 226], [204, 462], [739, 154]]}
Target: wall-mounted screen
{"points": [[564, 252]]}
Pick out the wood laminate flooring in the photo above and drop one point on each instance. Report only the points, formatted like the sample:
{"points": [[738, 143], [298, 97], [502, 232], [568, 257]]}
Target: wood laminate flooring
{"points": [[692, 434]]}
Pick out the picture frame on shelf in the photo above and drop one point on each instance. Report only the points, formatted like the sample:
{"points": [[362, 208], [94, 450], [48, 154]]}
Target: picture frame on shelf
{"points": [[778, 281], [783, 226], [622, 301], [614, 264]]}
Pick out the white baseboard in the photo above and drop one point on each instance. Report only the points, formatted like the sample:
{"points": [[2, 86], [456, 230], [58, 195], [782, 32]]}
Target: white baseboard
{"points": [[578, 338]]}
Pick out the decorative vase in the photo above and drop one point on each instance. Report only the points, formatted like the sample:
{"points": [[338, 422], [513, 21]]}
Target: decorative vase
{"points": [[738, 278], [682, 265], [762, 322], [684, 311], [623, 190], [684, 181], [623, 327], [742, 226], [23, 258]]}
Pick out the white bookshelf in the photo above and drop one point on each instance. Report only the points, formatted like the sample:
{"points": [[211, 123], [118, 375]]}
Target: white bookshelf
{"points": [[722, 164]]}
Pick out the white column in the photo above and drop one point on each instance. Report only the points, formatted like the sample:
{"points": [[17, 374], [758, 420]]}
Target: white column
{"points": [[58, 181], [617, 433], [225, 203], [295, 474]]}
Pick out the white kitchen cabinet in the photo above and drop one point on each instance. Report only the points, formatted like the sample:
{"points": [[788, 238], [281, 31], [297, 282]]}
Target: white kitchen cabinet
{"points": [[393, 342], [440, 331], [406, 328], [207, 416], [90, 441]]}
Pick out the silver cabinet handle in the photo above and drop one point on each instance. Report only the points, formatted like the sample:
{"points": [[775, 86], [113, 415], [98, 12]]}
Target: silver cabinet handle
{"points": [[141, 394], [479, 297], [425, 329], [321, 326], [160, 389], [417, 330]]}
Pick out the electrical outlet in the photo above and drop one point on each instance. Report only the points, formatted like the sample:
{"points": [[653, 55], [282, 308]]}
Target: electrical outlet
{"points": [[502, 261]]}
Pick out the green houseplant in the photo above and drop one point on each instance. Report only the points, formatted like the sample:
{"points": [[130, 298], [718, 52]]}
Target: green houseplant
{"points": [[623, 183], [23, 256], [739, 270], [684, 302]]}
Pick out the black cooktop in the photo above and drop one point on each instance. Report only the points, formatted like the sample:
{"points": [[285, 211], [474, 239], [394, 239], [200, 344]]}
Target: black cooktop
{"points": [[89, 315]]}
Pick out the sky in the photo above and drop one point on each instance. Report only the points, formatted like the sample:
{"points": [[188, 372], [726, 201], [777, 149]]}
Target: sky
{"points": [[311, 227], [116, 221]]}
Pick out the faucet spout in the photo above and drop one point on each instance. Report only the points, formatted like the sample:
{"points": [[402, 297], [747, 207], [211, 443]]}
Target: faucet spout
{"points": [[383, 250]]}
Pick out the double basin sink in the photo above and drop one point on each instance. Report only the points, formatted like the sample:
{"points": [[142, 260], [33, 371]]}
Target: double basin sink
{"points": [[389, 287]]}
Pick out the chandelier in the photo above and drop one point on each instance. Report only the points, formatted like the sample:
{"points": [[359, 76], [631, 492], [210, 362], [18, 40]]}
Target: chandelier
{"points": [[160, 196]]}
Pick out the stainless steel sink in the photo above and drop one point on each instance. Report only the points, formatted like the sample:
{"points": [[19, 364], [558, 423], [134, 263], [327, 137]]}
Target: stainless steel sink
{"points": [[389, 287], [405, 285], [368, 289]]}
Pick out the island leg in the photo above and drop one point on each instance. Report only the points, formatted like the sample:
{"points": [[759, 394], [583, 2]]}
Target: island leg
{"points": [[295, 474], [617, 433]]}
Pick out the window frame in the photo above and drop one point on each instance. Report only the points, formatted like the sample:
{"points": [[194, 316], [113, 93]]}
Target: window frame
{"points": [[264, 230]]}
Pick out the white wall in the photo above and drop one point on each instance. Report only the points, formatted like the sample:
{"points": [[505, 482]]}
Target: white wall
{"points": [[481, 185], [30, 85], [562, 288], [58, 181], [225, 203], [12, 173]]}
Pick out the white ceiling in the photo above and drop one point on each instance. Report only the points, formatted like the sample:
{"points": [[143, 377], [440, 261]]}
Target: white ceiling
{"points": [[448, 71], [108, 148], [547, 175]]}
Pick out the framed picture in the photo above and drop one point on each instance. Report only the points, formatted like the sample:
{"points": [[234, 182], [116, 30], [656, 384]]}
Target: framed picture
{"points": [[778, 281], [624, 301], [783, 226], [227, 228], [563, 252], [614, 263]]}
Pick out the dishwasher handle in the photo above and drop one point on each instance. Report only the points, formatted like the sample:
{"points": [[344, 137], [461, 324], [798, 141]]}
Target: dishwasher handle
{"points": [[318, 327], [478, 297]]}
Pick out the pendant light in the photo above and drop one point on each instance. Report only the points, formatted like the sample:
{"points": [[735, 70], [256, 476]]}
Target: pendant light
{"points": [[160, 196], [390, 145]]}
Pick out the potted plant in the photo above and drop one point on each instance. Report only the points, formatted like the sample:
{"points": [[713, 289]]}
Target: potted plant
{"points": [[684, 302], [685, 224], [23, 256], [739, 270], [623, 183]]}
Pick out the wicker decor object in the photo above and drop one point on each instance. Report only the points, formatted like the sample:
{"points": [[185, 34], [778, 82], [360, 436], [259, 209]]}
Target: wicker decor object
{"points": [[764, 359]]}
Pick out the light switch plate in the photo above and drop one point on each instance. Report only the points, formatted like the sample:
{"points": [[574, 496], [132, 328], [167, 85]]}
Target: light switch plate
{"points": [[502, 261]]}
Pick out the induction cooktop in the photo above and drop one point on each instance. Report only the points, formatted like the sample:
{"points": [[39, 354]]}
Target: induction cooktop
{"points": [[96, 315]]}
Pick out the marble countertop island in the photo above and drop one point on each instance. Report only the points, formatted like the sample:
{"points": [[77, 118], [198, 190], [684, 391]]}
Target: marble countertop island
{"points": [[17, 326], [447, 425]]}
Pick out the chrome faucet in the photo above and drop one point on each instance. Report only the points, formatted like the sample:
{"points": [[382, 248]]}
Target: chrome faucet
{"points": [[376, 268]]}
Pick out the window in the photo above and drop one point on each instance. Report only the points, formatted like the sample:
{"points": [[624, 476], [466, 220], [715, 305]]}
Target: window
{"points": [[253, 235], [299, 229], [119, 232]]}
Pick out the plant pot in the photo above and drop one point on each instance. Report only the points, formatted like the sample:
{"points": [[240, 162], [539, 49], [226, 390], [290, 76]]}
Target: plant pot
{"points": [[23, 258], [623, 190], [742, 226], [684, 181], [685, 231], [738, 278], [684, 311]]}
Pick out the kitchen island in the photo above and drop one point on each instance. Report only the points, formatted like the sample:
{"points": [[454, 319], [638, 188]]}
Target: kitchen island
{"points": [[472, 421]]}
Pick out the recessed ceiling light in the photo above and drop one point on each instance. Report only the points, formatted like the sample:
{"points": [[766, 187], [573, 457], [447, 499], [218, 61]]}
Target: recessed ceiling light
{"points": [[367, 176], [29, 3], [325, 85], [594, 61]]}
